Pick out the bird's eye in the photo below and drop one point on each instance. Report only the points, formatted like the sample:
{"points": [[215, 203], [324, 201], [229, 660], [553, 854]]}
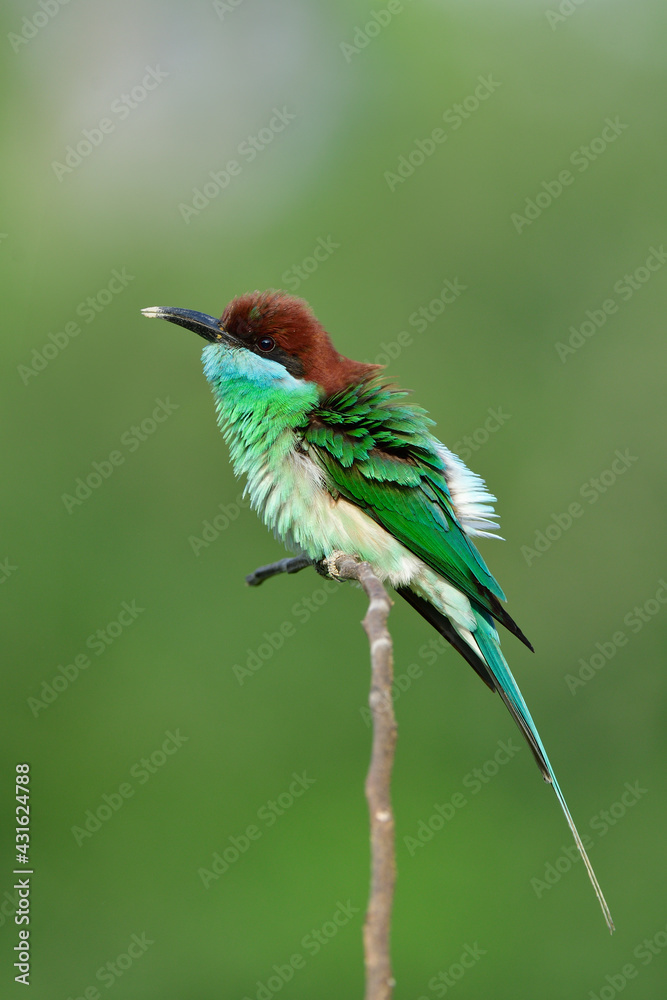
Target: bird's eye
{"points": [[266, 344]]}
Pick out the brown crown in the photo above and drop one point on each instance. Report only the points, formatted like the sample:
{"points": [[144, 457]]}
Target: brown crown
{"points": [[295, 329]]}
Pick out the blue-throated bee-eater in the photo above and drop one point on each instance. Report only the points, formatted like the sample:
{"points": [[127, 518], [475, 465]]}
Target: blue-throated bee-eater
{"points": [[337, 459]]}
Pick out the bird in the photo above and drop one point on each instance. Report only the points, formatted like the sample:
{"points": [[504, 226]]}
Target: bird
{"points": [[337, 458]]}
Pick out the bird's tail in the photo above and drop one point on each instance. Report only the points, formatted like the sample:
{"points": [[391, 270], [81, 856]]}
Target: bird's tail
{"points": [[488, 642], [487, 660]]}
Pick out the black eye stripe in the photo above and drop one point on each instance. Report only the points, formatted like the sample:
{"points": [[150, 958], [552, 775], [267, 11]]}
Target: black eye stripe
{"points": [[278, 355]]}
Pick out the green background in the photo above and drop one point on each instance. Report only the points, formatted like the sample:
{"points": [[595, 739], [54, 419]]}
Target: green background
{"points": [[172, 669]]}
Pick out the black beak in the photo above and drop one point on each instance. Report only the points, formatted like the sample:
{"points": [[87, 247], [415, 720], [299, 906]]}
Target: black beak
{"points": [[207, 327]]}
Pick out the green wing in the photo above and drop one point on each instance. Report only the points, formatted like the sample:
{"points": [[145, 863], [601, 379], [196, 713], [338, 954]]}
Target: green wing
{"points": [[378, 453]]}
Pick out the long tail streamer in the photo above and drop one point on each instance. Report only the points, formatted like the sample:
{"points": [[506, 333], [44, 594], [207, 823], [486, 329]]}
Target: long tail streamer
{"points": [[489, 645]]}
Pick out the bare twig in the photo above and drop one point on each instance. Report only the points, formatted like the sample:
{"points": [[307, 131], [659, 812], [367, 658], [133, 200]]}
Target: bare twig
{"points": [[340, 566], [379, 979]]}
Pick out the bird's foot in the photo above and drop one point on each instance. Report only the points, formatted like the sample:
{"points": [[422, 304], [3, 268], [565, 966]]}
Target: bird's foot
{"points": [[332, 565], [292, 564]]}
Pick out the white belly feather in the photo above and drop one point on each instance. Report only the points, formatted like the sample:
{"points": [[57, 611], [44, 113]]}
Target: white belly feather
{"points": [[295, 503]]}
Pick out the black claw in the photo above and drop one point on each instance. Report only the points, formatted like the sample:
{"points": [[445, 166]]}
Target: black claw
{"points": [[291, 564], [322, 568]]}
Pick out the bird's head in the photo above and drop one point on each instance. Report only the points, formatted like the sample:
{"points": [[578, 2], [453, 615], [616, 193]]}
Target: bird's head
{"points": [[261, 333]]}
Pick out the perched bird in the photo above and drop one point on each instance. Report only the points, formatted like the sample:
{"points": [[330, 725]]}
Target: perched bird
{"points": [[337, 458]]}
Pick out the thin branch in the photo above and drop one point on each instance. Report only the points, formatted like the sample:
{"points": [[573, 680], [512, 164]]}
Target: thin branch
{"points": [[379, 979], [340, 566]]}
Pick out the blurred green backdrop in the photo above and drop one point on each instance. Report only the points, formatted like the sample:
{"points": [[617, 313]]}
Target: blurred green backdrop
{"points": [[541, 199]]}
